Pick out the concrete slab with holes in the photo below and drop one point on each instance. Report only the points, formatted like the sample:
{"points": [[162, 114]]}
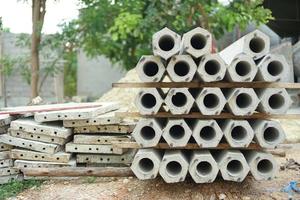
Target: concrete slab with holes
{"points": [[88, 148]]}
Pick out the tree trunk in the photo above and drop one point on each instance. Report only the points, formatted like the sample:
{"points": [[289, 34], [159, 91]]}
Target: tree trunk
{"points": [[38, 14]]}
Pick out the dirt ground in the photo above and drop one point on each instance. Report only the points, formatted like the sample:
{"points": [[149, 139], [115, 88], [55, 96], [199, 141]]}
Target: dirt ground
{"points": [[132, 188]]}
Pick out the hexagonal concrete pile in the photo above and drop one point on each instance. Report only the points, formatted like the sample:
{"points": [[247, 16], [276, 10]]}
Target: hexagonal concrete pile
{"points": [[180, 146]]}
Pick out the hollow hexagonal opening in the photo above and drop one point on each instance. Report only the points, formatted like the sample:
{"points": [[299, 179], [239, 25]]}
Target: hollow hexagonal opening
{"points": [[243, 68], [271, 134], [173, 168], [179, 99], [147, 133], [243, 100], [239, 133], [177, 132], [208, 133], [212, 67], [150, 68], [146, 165], [198, 41], [181, 68], [166, 43], [276, 101], [265, 166], [148, 100], [235, 167], [275, 68], [204, 168], [257, 45], [211, 100]]}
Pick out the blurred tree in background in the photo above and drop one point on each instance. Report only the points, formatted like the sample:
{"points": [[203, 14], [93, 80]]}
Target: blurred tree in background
{"points": [[122, 30]]}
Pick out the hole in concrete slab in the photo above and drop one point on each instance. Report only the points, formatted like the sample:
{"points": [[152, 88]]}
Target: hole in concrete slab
{"points": [[235, 167], [166, 43], [275, 68], [257, 44], [198, 41], [177, 132], [148, 100], [238, 133], [181, 68], [207, 133], [204, 168], [150, 68], [173, 168], [179, 99], [276, 101], [212, 67], [265, 166], [211, 101], [146, 165], [147, 133], [243, 100], [243, 68], [271, 134]]}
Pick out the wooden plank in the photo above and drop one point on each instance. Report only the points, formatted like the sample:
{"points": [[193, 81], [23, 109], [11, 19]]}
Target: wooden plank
{"points": [[20, 164], [210, 84], [99, 139], [47, 108], [38, 137], [105, 119], [76, 114], [79, 171], [60, 157], [6, 163], [55, 129], [8, 171], [197, 115], [29, 144], [134, 145], [7, 179], [125, 158], [117, 128], [87, 148], [4, 155], [4, 147]]}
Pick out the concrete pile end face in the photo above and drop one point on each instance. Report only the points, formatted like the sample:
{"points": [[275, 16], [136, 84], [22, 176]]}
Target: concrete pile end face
{"points": [[166, 43], [179, 101], [174, 166], [145, 164], [207, 133], [150, 69], [148, 101]]}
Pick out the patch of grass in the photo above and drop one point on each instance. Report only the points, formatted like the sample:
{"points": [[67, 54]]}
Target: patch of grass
{"points": [[15, 187], [90, 179]]}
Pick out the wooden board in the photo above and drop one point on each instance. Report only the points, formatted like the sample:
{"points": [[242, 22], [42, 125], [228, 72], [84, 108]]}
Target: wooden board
{"points": [[20, 164], [117, 128], [60, 157], [6, 163], [125, 158], [8, 171], [134, 145], [76, 114], [105, 119], [4, 155], [30, 144], [87, 148], [4, 147], [38, 137], [210, 84], [7, 179], [79, 171], [55, 129], [99, 139], [198, 115]]}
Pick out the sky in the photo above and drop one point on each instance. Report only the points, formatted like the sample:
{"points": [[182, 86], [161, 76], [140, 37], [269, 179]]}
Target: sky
{"points": [[16, 14]]}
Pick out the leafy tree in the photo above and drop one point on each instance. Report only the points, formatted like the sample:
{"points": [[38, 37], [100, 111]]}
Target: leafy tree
{"points": [[122, 30]]}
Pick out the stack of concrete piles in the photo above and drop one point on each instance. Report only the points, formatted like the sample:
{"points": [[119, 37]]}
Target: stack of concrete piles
{"points": [[94, 138], [189, 59]]}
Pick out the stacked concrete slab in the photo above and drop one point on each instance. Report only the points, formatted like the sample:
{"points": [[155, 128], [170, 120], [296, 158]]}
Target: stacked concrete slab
{"points": [[189, 59]]}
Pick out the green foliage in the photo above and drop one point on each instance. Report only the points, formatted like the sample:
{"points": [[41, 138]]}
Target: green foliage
{"points": [[122, 30], [90, 179], [13, 188]]}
